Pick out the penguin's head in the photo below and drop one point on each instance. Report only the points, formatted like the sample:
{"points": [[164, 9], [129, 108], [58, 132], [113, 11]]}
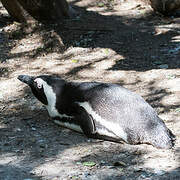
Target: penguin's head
{"points": [[43, 87]]}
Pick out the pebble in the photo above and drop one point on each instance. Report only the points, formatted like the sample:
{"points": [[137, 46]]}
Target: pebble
{"points": [[34, 129], [159, 172], [103, 162], [18, 130], [120, 163], [163, 66], [78, 163], [86, 174]]}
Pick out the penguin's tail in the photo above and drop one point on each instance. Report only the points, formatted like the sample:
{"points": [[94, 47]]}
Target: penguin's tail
{"points": [[164, 139]]}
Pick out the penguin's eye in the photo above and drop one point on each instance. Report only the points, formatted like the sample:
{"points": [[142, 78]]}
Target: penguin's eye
{"points": [[39, 86], [39, 82]]}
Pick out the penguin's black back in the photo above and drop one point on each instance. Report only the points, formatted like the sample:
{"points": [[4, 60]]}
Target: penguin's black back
{"points": [[120, 106], [109, 100]]}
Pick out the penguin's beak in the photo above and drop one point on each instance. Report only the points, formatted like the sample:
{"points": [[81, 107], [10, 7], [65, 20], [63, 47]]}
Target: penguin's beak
{"points": [[26, 79]]}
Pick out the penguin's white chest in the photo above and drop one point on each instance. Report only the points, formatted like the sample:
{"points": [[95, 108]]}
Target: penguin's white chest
{"points": [[51, 107], [53, 112]]}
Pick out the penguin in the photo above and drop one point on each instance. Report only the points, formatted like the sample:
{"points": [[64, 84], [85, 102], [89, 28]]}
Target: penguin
{"points": [[104, 111]]}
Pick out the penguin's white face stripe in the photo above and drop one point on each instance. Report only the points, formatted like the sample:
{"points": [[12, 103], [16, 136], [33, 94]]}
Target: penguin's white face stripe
{"points": [[39, 82], [115, 128], [69, 125], [51, 98]]}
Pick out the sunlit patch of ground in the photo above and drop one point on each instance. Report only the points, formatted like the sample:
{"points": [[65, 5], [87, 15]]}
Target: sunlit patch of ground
{"points": [[141, 54]]}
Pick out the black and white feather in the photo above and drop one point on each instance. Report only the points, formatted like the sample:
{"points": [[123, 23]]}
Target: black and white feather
{"points": [[100, 110]]}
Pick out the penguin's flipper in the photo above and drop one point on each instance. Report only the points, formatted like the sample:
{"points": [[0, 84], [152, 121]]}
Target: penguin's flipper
{"points": [[87, 123]]}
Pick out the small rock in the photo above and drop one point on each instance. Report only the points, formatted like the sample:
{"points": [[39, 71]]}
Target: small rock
{"points": [[121, 169], [41, 141], [34, 129], [103, 162], [159, 172], [143, 176], [86, 174], [163, 66], [137, 152], [17, 150], [18, 130], [138, 169], [157, 62], [43, 146], [120, 163], [177, 110], [78, 163], [110, 167]]}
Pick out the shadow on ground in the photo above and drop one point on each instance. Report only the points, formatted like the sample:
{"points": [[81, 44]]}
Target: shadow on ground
{"points": [[32, 146], [142, 46]]}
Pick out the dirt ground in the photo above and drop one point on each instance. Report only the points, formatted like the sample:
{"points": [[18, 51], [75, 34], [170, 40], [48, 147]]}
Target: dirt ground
{"points": [[109, 41]]}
